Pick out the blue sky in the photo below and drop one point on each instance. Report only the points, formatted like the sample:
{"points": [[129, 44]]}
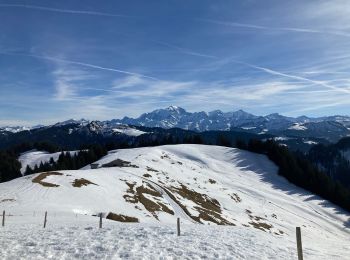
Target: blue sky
{"points": [[109, 59]]}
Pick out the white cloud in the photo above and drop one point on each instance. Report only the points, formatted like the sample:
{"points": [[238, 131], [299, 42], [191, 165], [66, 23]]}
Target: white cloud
{"points": [[67, 81]]}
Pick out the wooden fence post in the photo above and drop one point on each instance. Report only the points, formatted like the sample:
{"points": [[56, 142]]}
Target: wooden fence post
{"points": [[100, 220], [3, 218], [178, 226], [299, 244], [45, 219]]}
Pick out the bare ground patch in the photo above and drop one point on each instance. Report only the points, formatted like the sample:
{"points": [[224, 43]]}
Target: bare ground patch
{"points": [[235, 197], [151, 169], [7, 200], [257, 222], [261, 225], [78, 183], [137, 195], [39, 179], [121, 218], [211, 181], [209, 209]]}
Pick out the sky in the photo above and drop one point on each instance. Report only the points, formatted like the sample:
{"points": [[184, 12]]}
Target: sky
{"points": [[108, 59]]}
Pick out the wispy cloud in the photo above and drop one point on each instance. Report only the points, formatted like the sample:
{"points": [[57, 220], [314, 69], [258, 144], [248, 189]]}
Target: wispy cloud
{"points": [[84, 64], [59, 10], [184, 50], [277, 73], [270, 28], [67, 81]]}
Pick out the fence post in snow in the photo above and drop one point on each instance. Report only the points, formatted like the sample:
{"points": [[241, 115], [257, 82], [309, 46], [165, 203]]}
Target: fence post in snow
{"points": [[45, 219], [178, 226], [3, 218], [100, 220], [299, 244]]}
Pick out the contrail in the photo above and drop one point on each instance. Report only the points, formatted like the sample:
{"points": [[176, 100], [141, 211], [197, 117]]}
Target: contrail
{"points": [[81, 64], [183, 50], [57, 10], [290, 29], [274, 72]]}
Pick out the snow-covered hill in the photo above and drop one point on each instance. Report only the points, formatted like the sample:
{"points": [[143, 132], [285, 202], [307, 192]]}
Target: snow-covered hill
{"points": [[200, 184], [34, 158]]}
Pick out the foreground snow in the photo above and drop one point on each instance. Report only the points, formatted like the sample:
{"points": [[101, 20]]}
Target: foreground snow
{"points": [[80, 238], [156, 185]]}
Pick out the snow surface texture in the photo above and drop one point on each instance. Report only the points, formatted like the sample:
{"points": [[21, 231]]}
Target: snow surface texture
{"points": [[199, 184], [34, 157], [129, 131], [80, 238]]}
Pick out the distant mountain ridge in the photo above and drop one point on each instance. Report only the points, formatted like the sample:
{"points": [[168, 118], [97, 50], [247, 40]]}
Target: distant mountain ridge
{"points": [[330, 128], [174, 116]]}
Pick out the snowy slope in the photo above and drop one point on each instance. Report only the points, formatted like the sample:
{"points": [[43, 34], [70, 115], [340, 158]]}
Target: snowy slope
{"points": [[35, 157], [128, 131], [200, 184]]}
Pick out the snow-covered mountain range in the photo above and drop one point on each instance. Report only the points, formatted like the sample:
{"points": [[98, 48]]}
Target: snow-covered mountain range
{"points": [[174, 116], [331, 128], [153, 186]]}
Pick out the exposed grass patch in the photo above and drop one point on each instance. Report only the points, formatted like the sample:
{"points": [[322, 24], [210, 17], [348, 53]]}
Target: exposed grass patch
{"points": [[78, 183], [235, 197], [209, 209], [137, 195], [39, 179], [261, 225], [257, 222], [121, 218], [151, 169], [165, 156], [7, 200], [211, 181], [147, 175]]}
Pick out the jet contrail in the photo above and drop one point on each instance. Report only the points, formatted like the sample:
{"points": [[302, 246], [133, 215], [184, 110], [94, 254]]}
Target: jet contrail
{"points": [[274, 72], [290, 29], [183, 50], [81, 64], [57, 10]]}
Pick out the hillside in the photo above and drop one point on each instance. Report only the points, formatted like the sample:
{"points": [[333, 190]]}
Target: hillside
{"points": [[201, 185], [34, 158]]}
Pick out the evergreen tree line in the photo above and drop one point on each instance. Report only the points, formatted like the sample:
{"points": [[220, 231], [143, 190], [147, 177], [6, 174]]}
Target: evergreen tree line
{"points": [[40, 146], [66, 161], [299, 170], [9, 166], [331, 160]]}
